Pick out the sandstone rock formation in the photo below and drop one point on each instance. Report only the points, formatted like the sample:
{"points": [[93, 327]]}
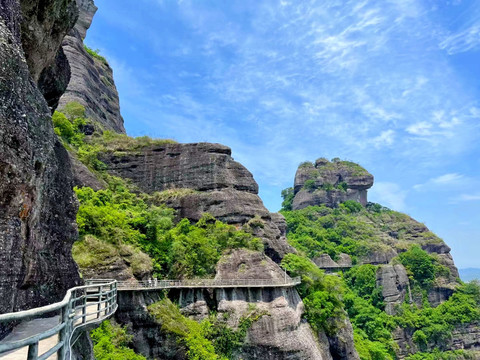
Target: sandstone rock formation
{"points": [[91, 82], [219, 185], [330, 183], [394, 282], [37, 207], [279, 334]]}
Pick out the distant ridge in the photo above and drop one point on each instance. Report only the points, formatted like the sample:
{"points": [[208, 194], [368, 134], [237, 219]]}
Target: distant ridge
{"points": [[469, 274]]}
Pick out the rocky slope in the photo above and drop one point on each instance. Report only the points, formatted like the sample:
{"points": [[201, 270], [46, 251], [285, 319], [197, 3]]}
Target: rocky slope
{"points": [[217, 184], [37, 207], [330, 183], [91, 83]]}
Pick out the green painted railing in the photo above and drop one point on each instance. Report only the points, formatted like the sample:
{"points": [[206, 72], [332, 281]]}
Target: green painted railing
{"points": [[153, 284], [82, 306]]}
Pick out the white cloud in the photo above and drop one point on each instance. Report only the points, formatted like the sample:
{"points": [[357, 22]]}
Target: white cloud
{"points": [[469, 197], [445, 181], [386, 138], [451, 178], [389, 194], [422, 128], [462, 41]]}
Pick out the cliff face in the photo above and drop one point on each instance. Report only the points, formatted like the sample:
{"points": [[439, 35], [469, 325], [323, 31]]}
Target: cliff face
{"points": [[280, 334], [37, 208], [91, 82], [330, 183], [219, 185]]}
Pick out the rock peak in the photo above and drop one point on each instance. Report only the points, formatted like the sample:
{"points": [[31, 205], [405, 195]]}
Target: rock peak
{"points": [[330, 183]]}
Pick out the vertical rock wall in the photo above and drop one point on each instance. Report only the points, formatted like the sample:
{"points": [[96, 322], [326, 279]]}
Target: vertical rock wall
{"points": [[91, 82], [37, 207]]}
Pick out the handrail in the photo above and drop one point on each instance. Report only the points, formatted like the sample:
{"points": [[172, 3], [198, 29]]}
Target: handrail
{"points": [[101, 294], [206, 283]]}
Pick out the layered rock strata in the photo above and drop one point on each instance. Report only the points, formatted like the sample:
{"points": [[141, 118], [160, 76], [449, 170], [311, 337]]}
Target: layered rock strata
{"points": [[37, 207], [91, 82], [330, 183], [219, 185]]}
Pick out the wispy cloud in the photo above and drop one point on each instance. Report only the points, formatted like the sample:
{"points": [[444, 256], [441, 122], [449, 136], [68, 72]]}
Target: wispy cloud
{"points": [[390, 194], [469, 197], [465, 40], [445, 180]]}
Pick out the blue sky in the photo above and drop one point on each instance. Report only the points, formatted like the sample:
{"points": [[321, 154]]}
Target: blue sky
{"points": [[390, 84]]}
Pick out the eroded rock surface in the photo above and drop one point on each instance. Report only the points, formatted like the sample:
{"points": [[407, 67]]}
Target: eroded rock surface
{"points": [[37, 207], [394, 282], [91, 82], [330, 183], [219, 185]]}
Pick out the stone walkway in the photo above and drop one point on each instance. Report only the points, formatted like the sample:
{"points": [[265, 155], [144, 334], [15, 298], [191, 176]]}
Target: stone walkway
{"points": [[28, 329], [33, 327]]}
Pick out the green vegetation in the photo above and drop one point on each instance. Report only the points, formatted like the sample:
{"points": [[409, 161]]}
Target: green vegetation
{"points": [[319, 229], [119, 217], [111, 342], [95, 54], [287, 196], [444, 355], [69, 124], [321, 293], [358, 231], [422, 267], [208, 340]]}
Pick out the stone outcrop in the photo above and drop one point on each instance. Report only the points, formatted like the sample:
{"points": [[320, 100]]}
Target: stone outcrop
{"points": [[280, 334], [325, 262], [394, 282], [37, 207], [330, 183], [82, 176], [464, 337], [91, 82], [219, 185]]}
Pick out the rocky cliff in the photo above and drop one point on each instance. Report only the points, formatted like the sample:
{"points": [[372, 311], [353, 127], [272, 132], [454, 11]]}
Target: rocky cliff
{"points": [[37, 207], [280, 334], [330, 183], [217, 184], [91, 83]]}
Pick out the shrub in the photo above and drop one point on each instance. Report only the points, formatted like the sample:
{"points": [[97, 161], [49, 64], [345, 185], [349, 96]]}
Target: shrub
{"points": [[419, 264], [287, 196], [63, 127], [309, 185], [111, 343], [95, 54]]}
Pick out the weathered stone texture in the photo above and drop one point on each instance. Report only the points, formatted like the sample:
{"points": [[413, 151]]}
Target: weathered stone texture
{"points": [[91, 83], [330, 183], [37, 207], [394, 282], [221, 186]]}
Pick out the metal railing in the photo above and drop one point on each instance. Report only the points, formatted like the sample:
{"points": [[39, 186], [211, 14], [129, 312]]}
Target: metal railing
{"points": [[81, 306], [206, 283]]}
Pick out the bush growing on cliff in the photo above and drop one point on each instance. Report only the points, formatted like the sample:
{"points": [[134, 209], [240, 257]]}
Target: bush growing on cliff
{"points": [[95, 54], [111, 342], [287, 196], [209, 339], [118, 216], [321, 294]]}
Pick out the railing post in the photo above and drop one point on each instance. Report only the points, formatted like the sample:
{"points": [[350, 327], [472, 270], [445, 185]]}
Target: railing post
{"points": [[99, 304], [33, 352], [84, 308], [63, 335]]}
